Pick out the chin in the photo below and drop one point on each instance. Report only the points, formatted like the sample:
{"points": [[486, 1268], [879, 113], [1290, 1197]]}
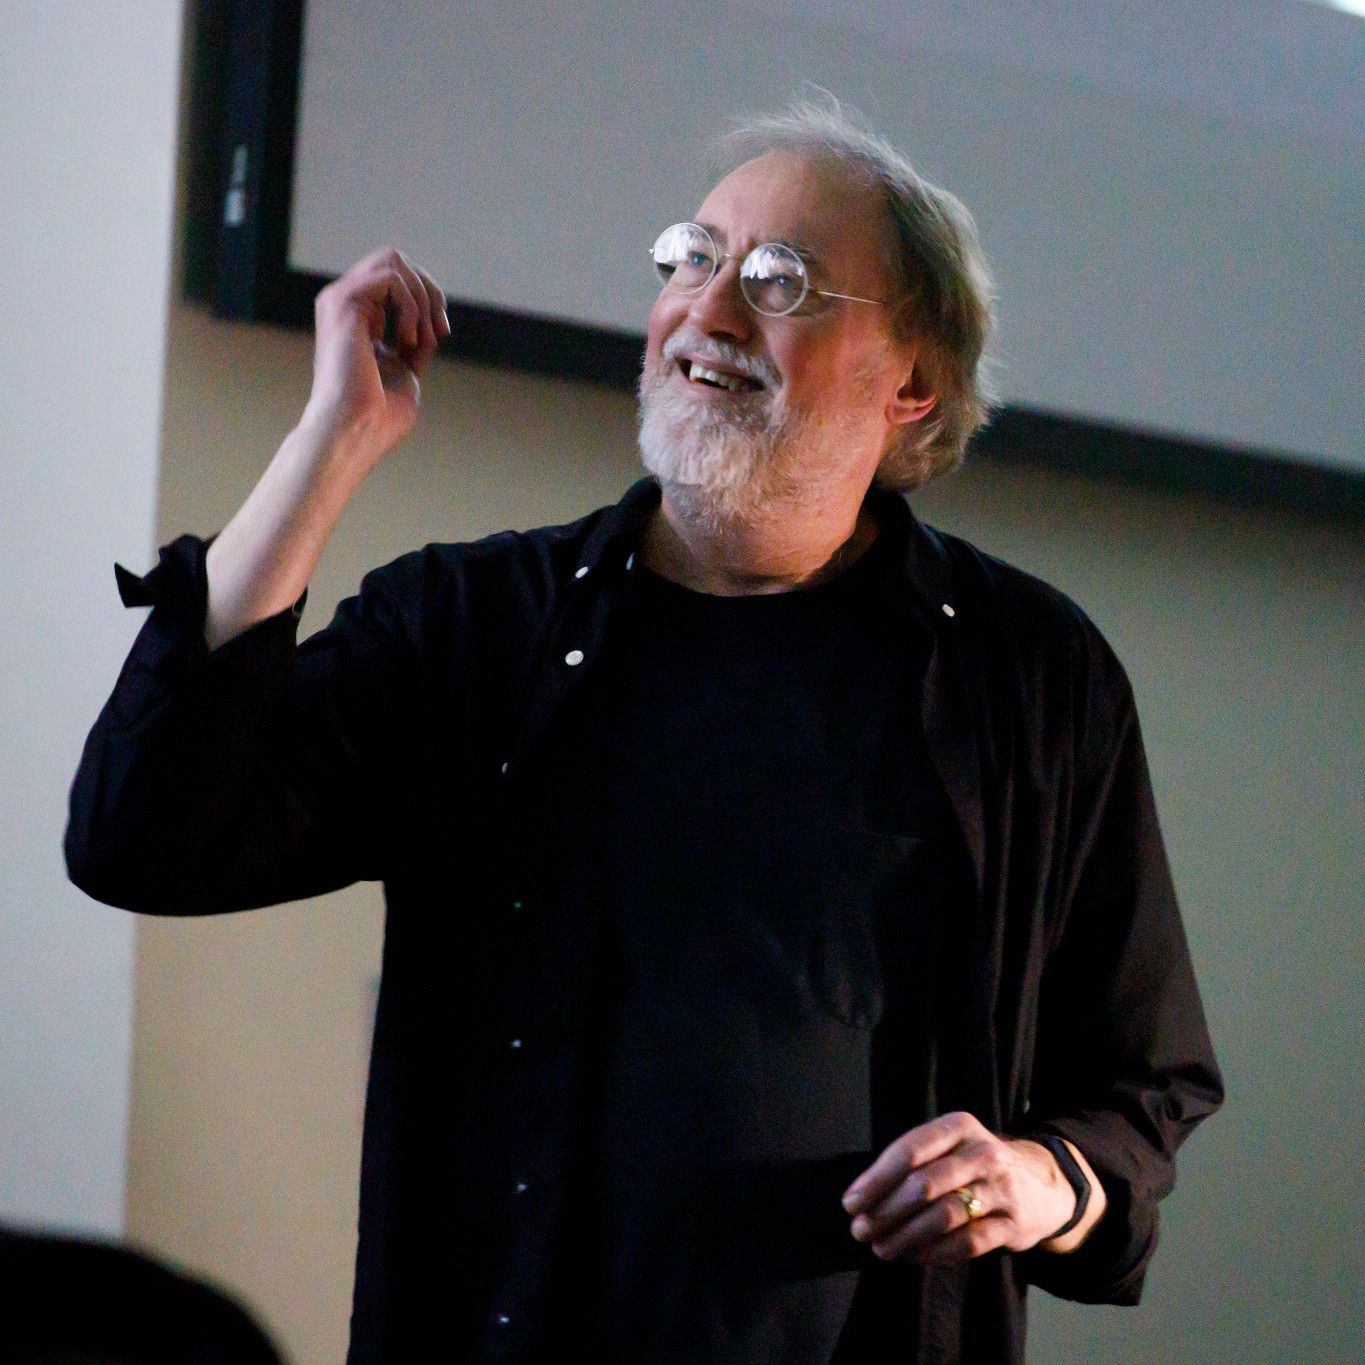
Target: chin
{"points": [[716, 467], [745, 466]]}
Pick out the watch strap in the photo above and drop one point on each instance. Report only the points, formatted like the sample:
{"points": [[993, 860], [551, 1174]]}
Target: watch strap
{"points": [[1075, 1177]]}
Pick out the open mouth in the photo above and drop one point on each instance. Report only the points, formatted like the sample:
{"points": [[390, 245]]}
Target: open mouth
{"points": [[717, 379]]}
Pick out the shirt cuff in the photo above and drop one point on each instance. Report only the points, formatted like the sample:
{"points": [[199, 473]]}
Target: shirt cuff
{"points": [[171, 644], [179, 581], [1110, 1265]]}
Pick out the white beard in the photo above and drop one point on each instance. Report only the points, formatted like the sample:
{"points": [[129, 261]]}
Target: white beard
{"points": [[745, 466]]}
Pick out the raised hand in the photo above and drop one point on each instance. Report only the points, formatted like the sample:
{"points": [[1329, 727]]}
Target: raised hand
{"points": [[364, 388], [364, 401]]}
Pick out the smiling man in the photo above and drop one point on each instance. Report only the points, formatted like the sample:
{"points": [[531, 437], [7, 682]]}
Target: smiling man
{"points": [[744, 413], [781, 960]]}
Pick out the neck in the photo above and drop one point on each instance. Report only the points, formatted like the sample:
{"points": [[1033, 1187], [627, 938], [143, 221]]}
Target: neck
{"points": [[737, 557]]}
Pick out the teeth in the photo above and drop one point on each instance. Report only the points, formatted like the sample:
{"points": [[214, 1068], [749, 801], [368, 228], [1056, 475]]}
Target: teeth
{"points": [[726, 381]]}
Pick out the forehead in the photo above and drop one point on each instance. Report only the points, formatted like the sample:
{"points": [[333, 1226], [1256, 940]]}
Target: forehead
{"points": [[786, 196]]}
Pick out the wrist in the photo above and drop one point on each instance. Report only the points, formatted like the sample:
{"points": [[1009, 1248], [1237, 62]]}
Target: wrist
{"points": [[1074, 1171], [1071, 1172], [335, 453]]}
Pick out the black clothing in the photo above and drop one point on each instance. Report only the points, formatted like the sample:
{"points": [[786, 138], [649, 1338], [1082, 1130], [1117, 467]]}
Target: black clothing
{"points": [[77, 1301], [767, 795], [437, 735]]}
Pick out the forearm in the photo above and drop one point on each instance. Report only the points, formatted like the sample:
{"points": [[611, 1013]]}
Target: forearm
{"points": [[263, 559]]}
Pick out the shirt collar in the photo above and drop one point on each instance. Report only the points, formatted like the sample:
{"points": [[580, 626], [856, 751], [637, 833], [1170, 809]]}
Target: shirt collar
{"points": [[917, 574]]}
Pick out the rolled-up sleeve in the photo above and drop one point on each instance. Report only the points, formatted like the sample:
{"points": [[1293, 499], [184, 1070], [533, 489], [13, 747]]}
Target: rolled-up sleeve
{"points": [[253, 773]]}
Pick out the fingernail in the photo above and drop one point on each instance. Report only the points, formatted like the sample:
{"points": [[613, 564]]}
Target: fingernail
{"points": [[853, 1200], [861, 1227]]}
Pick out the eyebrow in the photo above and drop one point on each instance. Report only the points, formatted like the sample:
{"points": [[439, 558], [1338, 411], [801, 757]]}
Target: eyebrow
{"points": [[801, 250]]}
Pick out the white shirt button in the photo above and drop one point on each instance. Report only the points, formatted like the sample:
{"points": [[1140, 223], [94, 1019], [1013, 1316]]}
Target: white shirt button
{"points": [[573, 658], [516, 1043], [521, 1187], [948, 611], [503, 1319], [581, 571]]}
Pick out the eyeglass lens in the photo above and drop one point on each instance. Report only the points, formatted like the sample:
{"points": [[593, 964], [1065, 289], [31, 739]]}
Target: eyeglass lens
{"points": [[772, 277]]}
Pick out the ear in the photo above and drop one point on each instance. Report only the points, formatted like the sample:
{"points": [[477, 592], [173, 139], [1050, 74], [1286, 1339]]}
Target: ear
{"points": [[915, 397]]}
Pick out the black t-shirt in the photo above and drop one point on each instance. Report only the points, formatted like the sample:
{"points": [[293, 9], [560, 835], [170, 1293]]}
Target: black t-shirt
{"points": [[771, 839]]}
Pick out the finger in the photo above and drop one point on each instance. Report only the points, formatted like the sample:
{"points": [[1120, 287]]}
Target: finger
{"points": [[385, 283], [373, 285], [372, 277], [963, 1165], [970, 1240], [440, 320], [907, 1153], [432, 301], [425, 344], [407, 331], [375, 295], [943, 1218], [969, 1163]]}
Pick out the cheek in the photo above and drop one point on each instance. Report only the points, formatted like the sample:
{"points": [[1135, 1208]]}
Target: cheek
{"points": [[799, 365], [663, 321], [850, 370]]}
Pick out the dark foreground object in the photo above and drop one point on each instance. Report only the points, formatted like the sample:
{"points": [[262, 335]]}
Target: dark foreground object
{"points": [[66, 1301]]}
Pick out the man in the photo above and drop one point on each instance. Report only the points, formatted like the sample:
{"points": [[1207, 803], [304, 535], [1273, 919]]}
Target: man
{"points": [[781, 962]]}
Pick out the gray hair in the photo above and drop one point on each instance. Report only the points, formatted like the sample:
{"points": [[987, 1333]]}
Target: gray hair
{"points": [[935, 257]]}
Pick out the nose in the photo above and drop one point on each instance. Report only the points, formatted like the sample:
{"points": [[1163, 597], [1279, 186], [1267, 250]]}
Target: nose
{"points": [[720, 309]]}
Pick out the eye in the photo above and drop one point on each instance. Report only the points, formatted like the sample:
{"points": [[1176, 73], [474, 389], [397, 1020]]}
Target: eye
{"points": [[683, 257], [773, 279]]}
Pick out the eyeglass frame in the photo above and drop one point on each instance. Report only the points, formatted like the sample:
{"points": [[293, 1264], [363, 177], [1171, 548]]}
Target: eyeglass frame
{"points": [[717, 256]]}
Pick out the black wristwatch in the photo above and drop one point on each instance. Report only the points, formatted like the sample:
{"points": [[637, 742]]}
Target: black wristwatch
{"points": [[1075, 1177]]}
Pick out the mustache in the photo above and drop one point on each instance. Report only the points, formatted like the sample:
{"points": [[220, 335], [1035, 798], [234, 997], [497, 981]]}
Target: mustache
{"points": [[713, 351]]}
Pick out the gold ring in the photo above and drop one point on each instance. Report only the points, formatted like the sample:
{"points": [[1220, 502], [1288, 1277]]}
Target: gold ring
{"points": [[975, 1208]]}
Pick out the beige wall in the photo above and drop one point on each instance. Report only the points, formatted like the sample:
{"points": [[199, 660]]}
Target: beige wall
{"points": [[1242, 633]]}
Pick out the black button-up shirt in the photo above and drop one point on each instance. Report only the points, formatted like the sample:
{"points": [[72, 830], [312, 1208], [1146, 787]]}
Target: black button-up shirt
{"points": [[420, 739]]}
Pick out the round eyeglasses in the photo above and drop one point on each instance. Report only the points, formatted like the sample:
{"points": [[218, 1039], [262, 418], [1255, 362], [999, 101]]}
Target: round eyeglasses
{"points": [[772, 277]]}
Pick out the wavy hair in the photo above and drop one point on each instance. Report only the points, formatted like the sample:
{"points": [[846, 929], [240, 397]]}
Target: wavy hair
{"points": [[945, 293]]}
